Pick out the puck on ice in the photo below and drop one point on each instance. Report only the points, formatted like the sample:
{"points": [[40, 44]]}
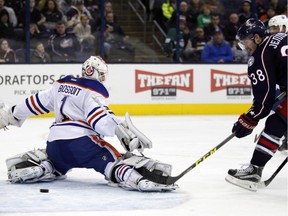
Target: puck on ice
{"points": [[44, 190]]}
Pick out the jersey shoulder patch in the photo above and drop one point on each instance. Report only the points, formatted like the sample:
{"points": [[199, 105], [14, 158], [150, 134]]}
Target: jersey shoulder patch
{"points": [[92, 85]]}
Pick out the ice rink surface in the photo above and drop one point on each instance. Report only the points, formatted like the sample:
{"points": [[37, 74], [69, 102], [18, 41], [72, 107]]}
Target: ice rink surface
{"points": [[178, 140]]}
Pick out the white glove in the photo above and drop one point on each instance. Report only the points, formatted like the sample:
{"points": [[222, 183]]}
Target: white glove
{"points": [[130, 137], [6, 116]]}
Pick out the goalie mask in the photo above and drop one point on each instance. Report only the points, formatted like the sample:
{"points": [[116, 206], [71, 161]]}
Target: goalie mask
{"points": [[95, 68]]}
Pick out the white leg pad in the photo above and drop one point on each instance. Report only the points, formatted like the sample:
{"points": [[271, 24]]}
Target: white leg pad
{"points": [[29, 167]]}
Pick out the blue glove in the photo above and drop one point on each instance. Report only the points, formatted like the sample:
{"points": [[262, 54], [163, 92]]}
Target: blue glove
{"points": [[244, 126]]}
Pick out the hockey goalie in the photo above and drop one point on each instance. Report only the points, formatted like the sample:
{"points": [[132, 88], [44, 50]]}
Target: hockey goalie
{"points": [[77, 137]]}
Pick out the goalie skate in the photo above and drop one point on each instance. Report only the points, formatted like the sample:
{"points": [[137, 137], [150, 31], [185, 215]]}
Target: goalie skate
{"points": [[149, 186], [247, 178]]}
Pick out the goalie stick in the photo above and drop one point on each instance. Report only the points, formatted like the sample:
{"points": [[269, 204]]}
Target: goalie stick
{"points": [[265, 183]]}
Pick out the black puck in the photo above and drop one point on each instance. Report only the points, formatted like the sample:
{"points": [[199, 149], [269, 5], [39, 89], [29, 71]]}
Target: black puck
{"points": [[44, 190]]}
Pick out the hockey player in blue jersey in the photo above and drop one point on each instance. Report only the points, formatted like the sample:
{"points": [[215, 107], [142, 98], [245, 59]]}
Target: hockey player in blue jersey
{"points": [[267, 67], [77, 137]]}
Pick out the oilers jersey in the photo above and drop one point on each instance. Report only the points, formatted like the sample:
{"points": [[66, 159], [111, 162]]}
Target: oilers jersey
{"points": [[80, 108], [267, 67]]}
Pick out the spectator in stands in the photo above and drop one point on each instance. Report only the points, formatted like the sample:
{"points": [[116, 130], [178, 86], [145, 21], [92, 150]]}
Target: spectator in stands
{"points": [[108, 8], [83, 32], [217, 50], [94, 7], [17, 6], [158, 15], [63, 45], [231, 28], [11, 12], [35, 34], [63, 5], [168, 8], [240, 56], [246, 12], [74, 13], [112, 29], [6, 28], [194, 9], [215, 24], [40, 55], [276, 5], [204, 18], [270, 12], [216, 7], [261, 7], [52, 15], [7, 55], [35, 17], [170, 42], [198, 42], [182, 15]]}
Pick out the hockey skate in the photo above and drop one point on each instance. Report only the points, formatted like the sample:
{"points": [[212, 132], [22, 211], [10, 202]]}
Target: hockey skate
{"points": [[247, 178], [284, 146], [129, 179], [149, 186]]}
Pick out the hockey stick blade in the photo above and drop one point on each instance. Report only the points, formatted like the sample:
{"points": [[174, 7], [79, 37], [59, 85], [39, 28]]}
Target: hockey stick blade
{"points": [[168, 180], [265, 183]]}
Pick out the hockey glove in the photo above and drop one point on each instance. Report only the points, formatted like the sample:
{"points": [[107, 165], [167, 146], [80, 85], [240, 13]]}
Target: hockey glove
{"points": [[130, 137], [6, 116], [244, 126]]}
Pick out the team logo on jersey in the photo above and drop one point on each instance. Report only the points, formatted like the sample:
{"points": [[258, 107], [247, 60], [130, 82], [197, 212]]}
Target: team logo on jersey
{"points": [[89, 70], [251, 61]]}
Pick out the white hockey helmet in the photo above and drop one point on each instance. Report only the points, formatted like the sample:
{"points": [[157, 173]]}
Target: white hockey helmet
{"points": [[278, 21], [95, 68]]}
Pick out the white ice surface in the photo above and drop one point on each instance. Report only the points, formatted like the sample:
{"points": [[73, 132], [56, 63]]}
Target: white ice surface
{"points": [[179, 140]]}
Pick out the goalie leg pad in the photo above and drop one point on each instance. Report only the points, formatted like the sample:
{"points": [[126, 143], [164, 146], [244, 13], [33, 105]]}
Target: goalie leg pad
{"points": [[130, 179], [150, 164], [30, 167], [128, 176], [35, 156]]}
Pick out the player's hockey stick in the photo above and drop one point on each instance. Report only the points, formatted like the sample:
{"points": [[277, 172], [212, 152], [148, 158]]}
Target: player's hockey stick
{"points": [[168, 180], [172, 180], [265, 183]]}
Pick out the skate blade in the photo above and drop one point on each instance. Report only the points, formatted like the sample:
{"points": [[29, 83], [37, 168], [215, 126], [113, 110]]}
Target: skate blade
{"points": [[248, 185]]}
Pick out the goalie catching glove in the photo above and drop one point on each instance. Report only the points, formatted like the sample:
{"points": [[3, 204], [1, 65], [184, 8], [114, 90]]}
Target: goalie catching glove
{"points": [[130, 137], [6, 116]]}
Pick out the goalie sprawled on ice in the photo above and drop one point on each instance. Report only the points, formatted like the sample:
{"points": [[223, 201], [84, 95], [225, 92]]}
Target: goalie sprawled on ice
{"points": [[76, 138]]}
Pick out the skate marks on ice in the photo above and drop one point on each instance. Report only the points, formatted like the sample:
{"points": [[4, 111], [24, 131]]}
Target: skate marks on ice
{"points": [[81, 195]]}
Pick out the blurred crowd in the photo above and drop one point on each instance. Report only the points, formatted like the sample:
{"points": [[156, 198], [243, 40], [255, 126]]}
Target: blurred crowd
{"points": [[59, 30], [70, 30], [208, 27]]}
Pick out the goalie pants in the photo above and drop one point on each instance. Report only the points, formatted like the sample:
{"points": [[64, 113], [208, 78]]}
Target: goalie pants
{"points": [[269, 141], [84, 152]]}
